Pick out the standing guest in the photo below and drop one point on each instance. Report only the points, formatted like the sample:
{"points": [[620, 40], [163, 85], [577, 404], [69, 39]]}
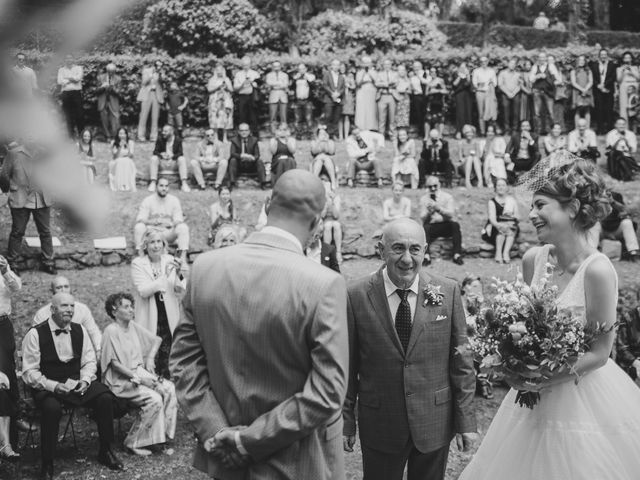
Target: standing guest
{"points": [[509, 84], [282, 148], [242, 402], [162, 211], [349, 101], [331, 219], [555, 141], [25, 80], [302, 80], [158, 285], [561, 89], [404, 160], [386, 81], [128, 369], [321, 252], [362, 149], [627, 75], [108, 100], [333, 84], [434, 158], [582, 83], [220, 102], [618, 225], [435, 101], [470, 155], [277, 83], [398, 206], [210, 159], [70, 77], [463, 98], [628, 340], [492, 157], [87, 158], [403, 89], [168, 155], [60, 366], [151, 97], [410, 377], [175, 103], [122, 168], [526, 92], [484, 82], [245, 156], [418, 80], [541, 22], [322, 151], [543, 78], [222, 212], [366, 109], [437, 213], [522, 151], [622, 144], [245, 84], [502, 228], [26, 199], [9, 394], [582, 141], [604, 84], [81, 313]]}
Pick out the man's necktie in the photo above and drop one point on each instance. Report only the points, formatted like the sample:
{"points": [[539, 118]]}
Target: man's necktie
{"points": [[403, 319], [243, 150], [58, 331]]}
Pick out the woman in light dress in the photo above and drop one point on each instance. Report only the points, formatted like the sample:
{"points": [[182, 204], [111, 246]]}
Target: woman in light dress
{"points": [[349, 100], [587, 423], [627, 76], [493, 150], [127, 361], [582, 91], [222, 212], [220, 102], [403, 88], [470, 155], [555, 141], [398, 206], [366, 108], [87, 158], [322, 150], [122, 169], [404, 159]]}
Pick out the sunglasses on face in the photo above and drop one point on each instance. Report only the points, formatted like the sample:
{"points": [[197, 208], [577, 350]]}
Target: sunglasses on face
{"points": [[432, 187]]}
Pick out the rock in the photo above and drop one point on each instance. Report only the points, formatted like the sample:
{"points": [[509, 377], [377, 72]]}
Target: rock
{"points": [[91, 259], [111, 259], [366, 251], [486, 254], [474, 250], [65, 264], [487, 247]]}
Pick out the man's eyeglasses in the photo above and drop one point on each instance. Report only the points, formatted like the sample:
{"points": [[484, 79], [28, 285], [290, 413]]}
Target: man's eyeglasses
{"points": [[432, 187]]}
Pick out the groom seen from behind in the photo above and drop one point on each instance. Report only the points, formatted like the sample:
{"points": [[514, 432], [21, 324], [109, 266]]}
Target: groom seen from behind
{"points": [[410, 371]]}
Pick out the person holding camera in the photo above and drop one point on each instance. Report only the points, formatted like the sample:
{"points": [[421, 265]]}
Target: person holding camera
{"points": [[434, 158], [168, 155], [622, 144]]}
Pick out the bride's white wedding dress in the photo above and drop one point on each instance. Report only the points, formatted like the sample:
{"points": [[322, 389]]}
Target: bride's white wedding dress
{"points": [[589, 431]]}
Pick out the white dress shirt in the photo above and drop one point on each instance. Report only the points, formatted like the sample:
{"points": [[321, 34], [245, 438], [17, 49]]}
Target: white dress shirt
{"points": [[482, 77], [31, 374], [70, 79], [393, 299], [9, 283], [614, 135], [283, 234], [81, 315]]}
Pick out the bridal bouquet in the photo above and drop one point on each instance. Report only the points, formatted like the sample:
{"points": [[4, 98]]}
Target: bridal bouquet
{"points": [[522, 333]]}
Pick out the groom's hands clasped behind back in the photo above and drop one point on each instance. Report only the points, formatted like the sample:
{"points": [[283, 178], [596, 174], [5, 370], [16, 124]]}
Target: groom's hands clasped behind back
{"points": [[223, 446]]}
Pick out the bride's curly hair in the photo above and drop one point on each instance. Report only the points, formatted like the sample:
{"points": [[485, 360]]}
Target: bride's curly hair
{"points": [[579, 181]]}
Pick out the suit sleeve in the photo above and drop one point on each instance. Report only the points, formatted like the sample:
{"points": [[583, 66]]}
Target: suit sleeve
{"points": [[348, 409], [322, 396], [234, 151], [256, 150], [5, 173], [158, 149], [188, 366], [462, 373], [333, 261]]}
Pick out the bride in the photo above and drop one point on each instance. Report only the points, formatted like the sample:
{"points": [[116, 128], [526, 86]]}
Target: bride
{"points": [[587, 422]]}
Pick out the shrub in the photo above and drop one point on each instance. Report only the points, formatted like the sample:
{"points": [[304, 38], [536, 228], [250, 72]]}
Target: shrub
{"points": [[613, 39]]}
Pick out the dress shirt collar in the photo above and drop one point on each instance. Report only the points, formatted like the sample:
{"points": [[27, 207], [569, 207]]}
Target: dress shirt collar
{"points": [[390, 287], [279, 232], [53, 326]]}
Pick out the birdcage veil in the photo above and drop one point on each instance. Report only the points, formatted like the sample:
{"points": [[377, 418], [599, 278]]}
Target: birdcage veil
{"points": [[537, 177]]}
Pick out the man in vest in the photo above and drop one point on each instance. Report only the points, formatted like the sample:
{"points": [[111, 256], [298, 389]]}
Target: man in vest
{"points": [[542, 78], [59, 364]]}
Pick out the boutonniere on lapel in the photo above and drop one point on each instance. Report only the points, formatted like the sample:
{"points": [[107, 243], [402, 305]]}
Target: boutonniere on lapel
{"points": [[432, 295]]}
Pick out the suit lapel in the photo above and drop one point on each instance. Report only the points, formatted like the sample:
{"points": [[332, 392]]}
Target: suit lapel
{"points": [[378, 298], [420, 318]]}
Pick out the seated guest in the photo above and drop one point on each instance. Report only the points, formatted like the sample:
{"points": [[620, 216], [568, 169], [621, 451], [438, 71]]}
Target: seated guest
{"points": [[522, 152], [582, 141], [362, 147], [163, 211], [245, 156], [618, 225], [404, 159], [9, 394], [168, 155], [622, 144], [492, 157], [434, 158], [122, 169], [128, 369], [87, 159], [81, 313], [158, 284], [322, 149], [502, 228], [470, 154], [221, 213], [210, 160], [262, 217], [437, 212], [332, 226], [628, 341], [555, 141], [398, 206], [227, 236], [321, 252], [282, 148], [59, 364]]}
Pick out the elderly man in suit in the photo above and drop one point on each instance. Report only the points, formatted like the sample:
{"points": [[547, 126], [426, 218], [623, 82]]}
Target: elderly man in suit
{"points": [[26, 198], [245, 156], [109, 101], [262, 376], [278, 85], [151, 97], [386, 97], [604, 87], [410, 370], [333, 86]]}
